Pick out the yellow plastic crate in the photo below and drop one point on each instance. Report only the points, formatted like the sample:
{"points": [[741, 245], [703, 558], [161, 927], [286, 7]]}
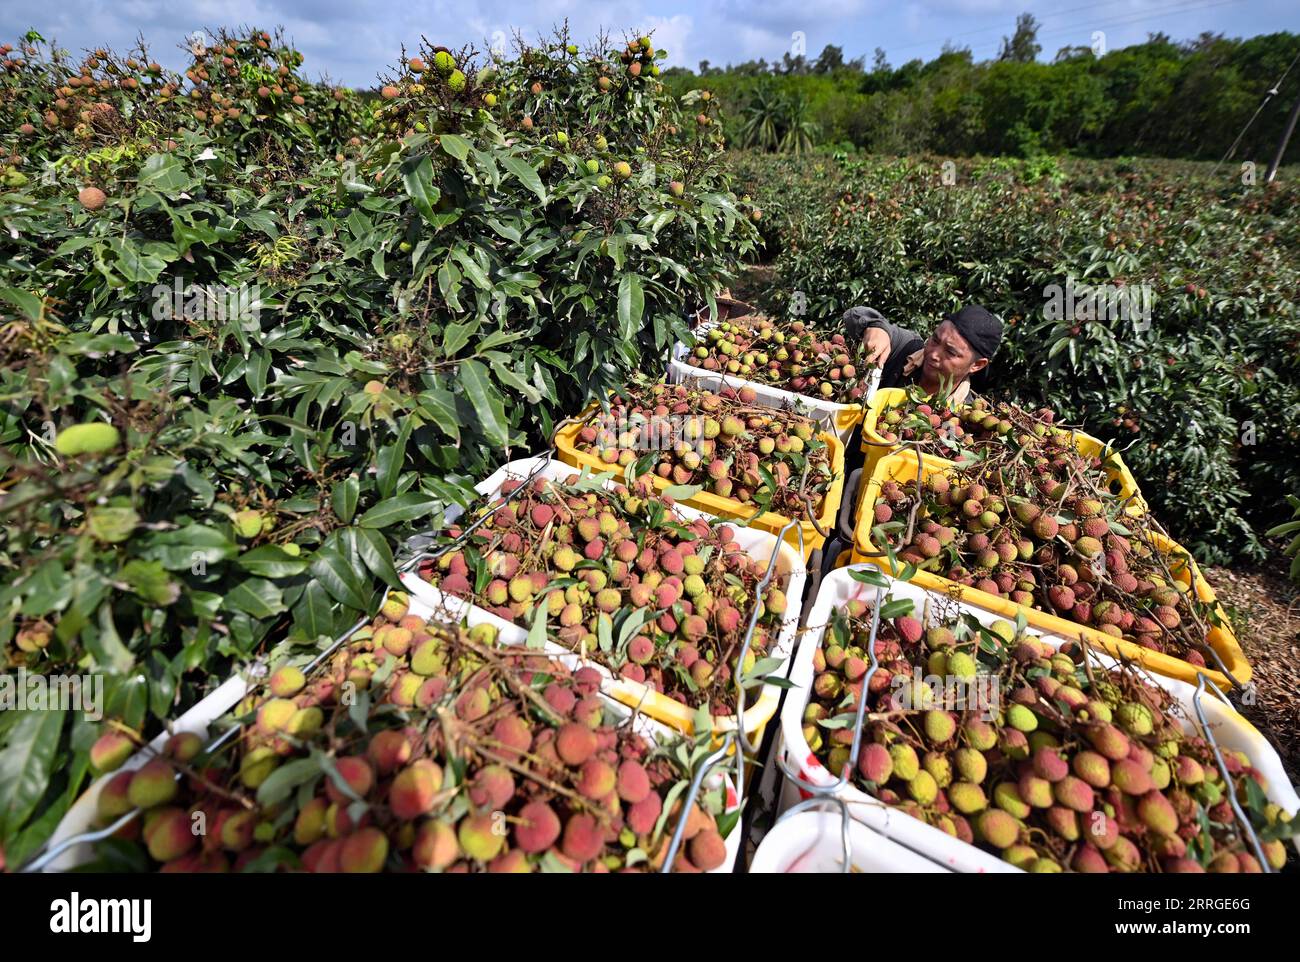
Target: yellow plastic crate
{"points": [[1123, 484], [566, 445], [903, 468]]}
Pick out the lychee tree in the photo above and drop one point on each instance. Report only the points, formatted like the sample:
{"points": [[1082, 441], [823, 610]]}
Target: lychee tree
{"points": [[423, 306]]}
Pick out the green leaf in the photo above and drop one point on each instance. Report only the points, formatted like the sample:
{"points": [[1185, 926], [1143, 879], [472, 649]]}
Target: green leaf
{"points": [[339, 578], [869, 576], [526, 175], [25, 765], [110, 654], [271, 561], [457, 335], [376, 553], [343, 497], [683, 492], [164, 173], [537, 631], [486, 402], [403, 507], [281, 782], [256, 597], [631, 304], [418, 181], [29, 305], [313, 615], [149, 580], [454, 145], [511, 379], [391, 457], [895, 609]]}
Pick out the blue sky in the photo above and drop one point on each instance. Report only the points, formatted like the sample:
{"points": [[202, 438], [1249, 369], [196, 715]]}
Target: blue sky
{"points": [[352, 41]]}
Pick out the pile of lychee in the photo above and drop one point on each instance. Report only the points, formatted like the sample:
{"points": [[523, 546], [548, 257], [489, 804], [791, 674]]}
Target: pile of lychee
{"points": [[470, 759], [1067, 767], [790, 355], [941, 426], [1021, 532], [622, 577], [722, 441]]}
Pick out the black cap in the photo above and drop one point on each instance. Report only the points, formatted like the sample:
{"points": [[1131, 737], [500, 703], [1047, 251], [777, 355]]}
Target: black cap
{"points": [[981, 328]]}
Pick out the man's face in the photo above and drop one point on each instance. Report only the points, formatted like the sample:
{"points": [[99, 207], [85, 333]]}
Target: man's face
{"points": [[949, 358]]}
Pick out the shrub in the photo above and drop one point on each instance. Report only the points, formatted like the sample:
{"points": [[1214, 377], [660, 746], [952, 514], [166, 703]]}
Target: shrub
{"points": [[420, 306]]}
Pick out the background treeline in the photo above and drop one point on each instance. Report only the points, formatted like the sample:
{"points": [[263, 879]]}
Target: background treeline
{"points": [[1160, 98]]}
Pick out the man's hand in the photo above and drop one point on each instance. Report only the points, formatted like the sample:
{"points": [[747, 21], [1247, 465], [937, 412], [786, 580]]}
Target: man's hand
{"points": [[877, 344]]}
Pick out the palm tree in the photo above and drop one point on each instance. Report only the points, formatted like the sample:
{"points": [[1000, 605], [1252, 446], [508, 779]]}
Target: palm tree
{"points": [[773, 120]]}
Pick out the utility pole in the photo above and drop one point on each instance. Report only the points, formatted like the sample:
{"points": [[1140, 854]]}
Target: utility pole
{"points": [[1286, 136]]}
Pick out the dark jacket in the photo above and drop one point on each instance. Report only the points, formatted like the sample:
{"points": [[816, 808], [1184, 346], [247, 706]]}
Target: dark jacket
{"points": [[902, 343]]}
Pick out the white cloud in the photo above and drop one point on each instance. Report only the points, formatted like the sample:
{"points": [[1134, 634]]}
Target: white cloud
{"points": [[671, 34]]}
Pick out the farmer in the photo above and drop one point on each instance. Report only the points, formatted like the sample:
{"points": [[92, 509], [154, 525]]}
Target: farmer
{"points": [[961, 347]]}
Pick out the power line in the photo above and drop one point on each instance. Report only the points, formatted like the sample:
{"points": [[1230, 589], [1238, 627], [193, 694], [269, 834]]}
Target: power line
{"points": [[1123, 21], [1112, 21], [1269, 95], [968, 33]]}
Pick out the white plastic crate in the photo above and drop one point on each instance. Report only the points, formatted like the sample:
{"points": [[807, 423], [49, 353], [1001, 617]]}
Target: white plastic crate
{"points": [[81, 817], [839, 419], [757, 544], [1230, 729], [812, 841]]}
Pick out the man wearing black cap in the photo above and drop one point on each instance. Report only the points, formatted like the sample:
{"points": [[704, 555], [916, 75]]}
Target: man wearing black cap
{"points": [[961, 346]]}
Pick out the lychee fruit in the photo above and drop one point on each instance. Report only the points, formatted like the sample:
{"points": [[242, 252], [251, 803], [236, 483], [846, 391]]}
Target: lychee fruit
{"points": [[109, 751], [478, 837], [1109, 741], [537, 827], [575, 743], [287, 681], [1092, 768], [91, 198], [967, 798], [415, 788], [492, 787], [169, 834], [707, 850], [435, 846], [874, 763], [997, 828], [153, 784], [1073, 793], [583, 839], [1157, 813], [356, 773], [1130, 777]]}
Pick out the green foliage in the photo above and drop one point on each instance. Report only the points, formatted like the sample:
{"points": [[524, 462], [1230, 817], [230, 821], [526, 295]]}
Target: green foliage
{"points": [[1204, 403], [776, 120], [309, 348], [1153, 99]]}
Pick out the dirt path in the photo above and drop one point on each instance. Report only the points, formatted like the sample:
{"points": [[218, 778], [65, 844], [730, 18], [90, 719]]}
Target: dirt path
{"points": [[753, 281], [1265, 611]]}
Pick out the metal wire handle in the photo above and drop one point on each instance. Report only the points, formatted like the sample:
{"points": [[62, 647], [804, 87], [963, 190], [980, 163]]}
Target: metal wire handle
{"points": [[738, 739], [749, 746], [1201, 682], [831, 792], [818, 803], [675, 843]]}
